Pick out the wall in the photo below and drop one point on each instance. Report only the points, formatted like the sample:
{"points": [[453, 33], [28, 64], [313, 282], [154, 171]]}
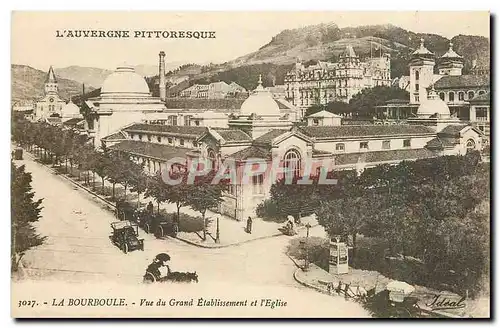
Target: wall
{"points": [[374, 144]]}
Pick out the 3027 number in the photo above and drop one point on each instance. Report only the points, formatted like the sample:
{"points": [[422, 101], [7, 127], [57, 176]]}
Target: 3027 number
{"points": [[27, 303]]}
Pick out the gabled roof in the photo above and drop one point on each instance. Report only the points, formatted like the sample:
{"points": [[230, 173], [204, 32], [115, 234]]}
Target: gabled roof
{"points": [[324, 113], [349, 131], [233, 135], [73, 121], [267, 138], [251, 152], [115, 136], [188, 131], [149, 149], [461, 81], [452, 130], [383, 156], [438, 143]]}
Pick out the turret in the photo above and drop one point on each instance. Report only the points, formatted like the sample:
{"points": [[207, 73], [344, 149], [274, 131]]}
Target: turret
{"points": [[451, 63], [421, 73]]}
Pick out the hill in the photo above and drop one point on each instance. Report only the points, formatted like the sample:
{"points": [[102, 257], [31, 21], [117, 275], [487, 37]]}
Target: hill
{"points": [[91, 76], [28, 83], [328, 41]]}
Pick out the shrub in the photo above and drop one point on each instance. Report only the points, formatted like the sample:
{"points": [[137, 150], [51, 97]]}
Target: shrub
{"points": [[318, 250], [268, 210]]}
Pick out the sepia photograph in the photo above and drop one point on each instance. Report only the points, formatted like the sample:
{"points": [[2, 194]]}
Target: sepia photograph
{"points": [[264, 164]]}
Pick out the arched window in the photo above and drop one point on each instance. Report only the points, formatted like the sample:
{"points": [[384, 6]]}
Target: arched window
{"points": [[417, 75], [481, 92], [461, 96], [441, 95], [292, 162], [470, 95], [471, 144], [212, 157], [451, 96]]}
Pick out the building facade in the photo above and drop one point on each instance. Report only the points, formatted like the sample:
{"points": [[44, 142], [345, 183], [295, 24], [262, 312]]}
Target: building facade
{"points": [[51, 104], [325, 82], [259, 132]]}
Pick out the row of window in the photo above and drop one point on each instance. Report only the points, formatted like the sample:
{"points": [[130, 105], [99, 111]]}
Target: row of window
{"points": [[363, 145], [461, 95], [160, 139]]}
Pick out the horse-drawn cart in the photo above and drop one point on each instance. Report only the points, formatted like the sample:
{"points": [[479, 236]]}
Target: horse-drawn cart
{"points": [[125, 235]]}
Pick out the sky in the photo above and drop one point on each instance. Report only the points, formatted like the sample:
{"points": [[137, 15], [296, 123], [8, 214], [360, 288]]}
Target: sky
{"points": [[34, 40]]}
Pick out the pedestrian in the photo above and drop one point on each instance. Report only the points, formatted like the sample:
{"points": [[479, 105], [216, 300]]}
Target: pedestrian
{"points": [[150, 208], [249, 225]]}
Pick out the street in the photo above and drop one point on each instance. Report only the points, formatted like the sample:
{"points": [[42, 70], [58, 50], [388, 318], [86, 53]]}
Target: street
{"points": [[78, 248]]}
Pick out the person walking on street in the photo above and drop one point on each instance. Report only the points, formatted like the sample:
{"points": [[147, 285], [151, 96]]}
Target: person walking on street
{"points": [[249, 225]]}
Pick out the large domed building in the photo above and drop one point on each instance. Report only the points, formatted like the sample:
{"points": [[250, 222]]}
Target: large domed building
{"points": [[125, 98]]}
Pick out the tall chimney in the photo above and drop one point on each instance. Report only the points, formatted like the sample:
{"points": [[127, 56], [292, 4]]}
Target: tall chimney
{"points": [[163, 87]]}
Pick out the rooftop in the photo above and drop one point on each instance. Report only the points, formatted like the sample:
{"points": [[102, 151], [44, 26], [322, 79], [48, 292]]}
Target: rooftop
{"points": [[349, 131], [251, 152], [460, 81], [189, 103], [452, 130], [152, 150], [189, 131], [383, 156], [268, 137]]}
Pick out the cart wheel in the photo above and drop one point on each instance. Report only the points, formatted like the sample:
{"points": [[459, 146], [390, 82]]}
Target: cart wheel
{"points": [[146, 228], [148, 278], [125, 248]]}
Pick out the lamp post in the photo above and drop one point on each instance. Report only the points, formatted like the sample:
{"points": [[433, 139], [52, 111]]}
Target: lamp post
{"points": [[306, 264], [217, 232]]}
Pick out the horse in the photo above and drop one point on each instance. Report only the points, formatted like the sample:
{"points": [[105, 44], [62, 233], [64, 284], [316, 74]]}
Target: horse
{"points": [[182, 276]]}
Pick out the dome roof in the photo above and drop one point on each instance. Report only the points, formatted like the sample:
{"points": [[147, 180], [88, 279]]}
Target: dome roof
{"points": [[433, 105], [124, 81], [260, 103], [70, 109], [451, 53], [422, 50]]}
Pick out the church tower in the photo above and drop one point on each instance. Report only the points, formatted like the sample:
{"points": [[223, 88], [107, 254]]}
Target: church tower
{"points": [[451, 63], [421, 73], [51, 82]]}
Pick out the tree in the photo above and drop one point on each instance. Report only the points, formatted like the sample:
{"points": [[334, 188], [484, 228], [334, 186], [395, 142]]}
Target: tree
{"points": [[204, 195], [24, 211], [138, 182], [347, 216], [157, 189], [178, 194], [101, 166], [363, 103]]}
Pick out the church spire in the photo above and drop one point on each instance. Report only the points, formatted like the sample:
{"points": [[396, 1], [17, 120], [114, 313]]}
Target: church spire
{"points": [[51, 76]]}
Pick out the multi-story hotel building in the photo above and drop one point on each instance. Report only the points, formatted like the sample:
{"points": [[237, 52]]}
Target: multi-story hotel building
{"points": [[325, 82]]}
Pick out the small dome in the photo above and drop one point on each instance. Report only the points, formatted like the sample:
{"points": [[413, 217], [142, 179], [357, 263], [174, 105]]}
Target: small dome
{"points": [[422, 50], [260, 103], [70, 109], [451, 54], [124, 82], [432, 106]]}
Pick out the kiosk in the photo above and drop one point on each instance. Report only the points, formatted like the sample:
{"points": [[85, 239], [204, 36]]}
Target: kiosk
{"points": [[339, 257]]}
